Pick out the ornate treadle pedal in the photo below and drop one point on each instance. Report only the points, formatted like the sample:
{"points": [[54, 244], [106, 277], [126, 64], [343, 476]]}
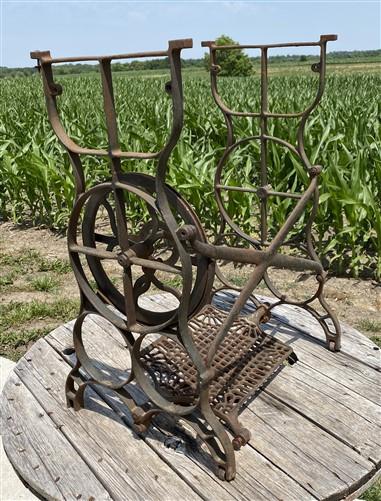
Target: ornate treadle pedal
{"points": [[246, 358]]}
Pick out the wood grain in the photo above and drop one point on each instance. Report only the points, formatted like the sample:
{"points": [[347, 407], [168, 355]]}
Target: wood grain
{"points": [[39, 451], [98, 434], [271, 481], [359, 436], [315, 426]]}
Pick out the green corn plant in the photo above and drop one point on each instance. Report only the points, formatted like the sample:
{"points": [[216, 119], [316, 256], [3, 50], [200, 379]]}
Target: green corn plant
{"points": [[343, 135]]}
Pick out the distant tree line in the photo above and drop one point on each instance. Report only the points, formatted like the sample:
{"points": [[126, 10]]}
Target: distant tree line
{"points": [[78, 68], [163, 64]]}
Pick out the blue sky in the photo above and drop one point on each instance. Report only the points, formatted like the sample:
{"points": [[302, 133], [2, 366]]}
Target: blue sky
{"points": [[106, 27]]}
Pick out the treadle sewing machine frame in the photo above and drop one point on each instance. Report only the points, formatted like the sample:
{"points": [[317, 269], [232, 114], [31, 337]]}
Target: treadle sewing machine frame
{"points": [[206, 363]]}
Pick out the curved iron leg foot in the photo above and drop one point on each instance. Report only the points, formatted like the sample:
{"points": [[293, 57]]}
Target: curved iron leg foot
{"points": [[225, 454], [333, 336], [75, 396]]}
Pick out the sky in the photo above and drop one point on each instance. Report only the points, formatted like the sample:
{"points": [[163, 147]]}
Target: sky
{"points": [[90, 27]]}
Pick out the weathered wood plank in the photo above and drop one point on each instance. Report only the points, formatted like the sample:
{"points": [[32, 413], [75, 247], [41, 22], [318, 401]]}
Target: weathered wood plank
{"points": [[342, 412], [357, 346], [309, 454], [314, 426], [126, 466], [346, 371], [187, 468], [40, 452], [96, 340], [303, 375], [355, 494], [159, 302], [268, 482], [336, 391]]}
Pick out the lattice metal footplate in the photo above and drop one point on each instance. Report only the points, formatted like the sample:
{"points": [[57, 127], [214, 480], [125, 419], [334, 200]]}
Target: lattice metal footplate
{"points": [[245, 360]]}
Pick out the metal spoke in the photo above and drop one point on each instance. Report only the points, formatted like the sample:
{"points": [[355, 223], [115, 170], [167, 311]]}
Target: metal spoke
{"points": [[92, 251], [155, 265]]}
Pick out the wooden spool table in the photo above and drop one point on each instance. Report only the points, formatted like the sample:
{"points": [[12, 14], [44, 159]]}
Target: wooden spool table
{"points": [[315, 426]]}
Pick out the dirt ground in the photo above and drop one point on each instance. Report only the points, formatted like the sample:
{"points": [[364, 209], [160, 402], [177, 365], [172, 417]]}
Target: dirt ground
{"points": [[34, 270], [15, 241]]}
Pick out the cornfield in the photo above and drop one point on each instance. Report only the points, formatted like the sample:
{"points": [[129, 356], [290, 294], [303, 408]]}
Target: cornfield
{"points": [[343, 136]]}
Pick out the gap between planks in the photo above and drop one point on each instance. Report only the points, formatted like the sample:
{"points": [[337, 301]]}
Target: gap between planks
{"points": [[102, 327], [278, 480], [270, 482], [97, 433]]}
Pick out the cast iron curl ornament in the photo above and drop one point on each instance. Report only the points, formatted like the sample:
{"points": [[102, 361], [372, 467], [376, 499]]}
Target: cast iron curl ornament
{"points": [[205, 363]]}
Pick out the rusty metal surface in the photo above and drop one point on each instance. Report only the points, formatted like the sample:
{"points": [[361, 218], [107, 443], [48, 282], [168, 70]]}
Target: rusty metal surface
{"points": [[207, 363], [268, 250], [246, 359]]}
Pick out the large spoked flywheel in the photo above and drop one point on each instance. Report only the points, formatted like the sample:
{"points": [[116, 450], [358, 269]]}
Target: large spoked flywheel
{"points": [[154, 266]]}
